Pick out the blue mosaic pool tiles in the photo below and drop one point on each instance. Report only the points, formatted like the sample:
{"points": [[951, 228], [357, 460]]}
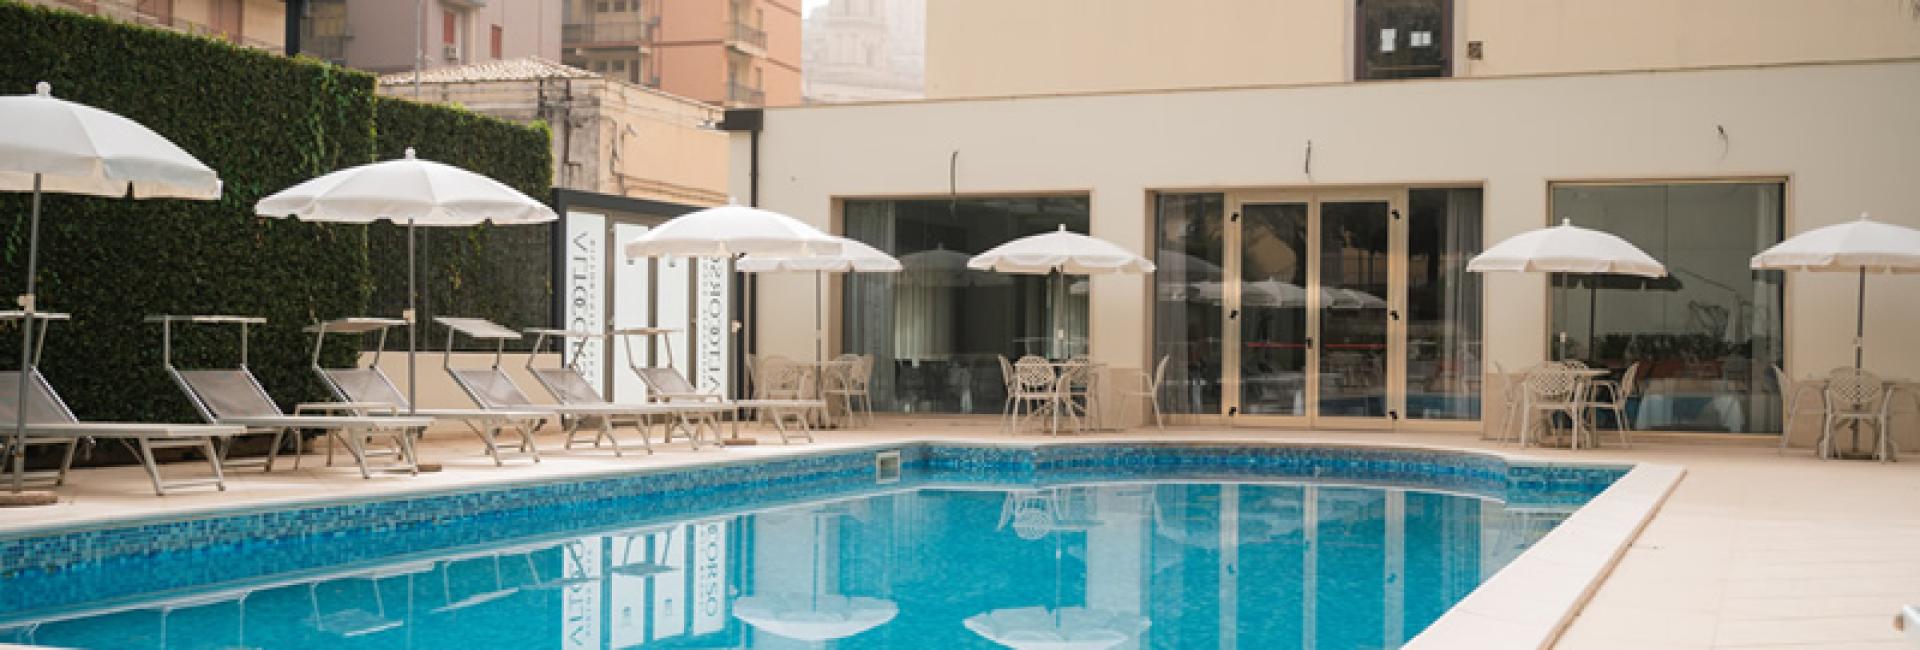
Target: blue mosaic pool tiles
{"points": [[179, 554]]}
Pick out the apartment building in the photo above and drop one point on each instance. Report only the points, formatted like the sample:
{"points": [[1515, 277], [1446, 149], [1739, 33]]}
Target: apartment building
{"points": [[382, 35], [978, 48], [737, 53], [259, 24]]}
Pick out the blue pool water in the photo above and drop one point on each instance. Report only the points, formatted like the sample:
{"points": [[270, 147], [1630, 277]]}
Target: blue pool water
{"points": [[1170, 547]]}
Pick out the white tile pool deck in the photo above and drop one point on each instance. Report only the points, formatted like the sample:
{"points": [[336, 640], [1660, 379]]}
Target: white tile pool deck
{"points": [[1752, 550]]}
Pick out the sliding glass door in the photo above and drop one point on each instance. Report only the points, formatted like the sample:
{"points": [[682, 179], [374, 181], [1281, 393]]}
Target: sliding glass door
{"points": [[1336, 309]]}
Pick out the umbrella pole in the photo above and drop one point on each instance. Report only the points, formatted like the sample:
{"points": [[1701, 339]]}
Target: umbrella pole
{"points": [[1593, 291], [26, 343], [1860, 320], [413, 328]]}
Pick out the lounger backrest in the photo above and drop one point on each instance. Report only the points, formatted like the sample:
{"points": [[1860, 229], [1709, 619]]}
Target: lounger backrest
{"points": [[490, 387], [568, 386], [43, 405], [667, 382], [229, 393], [364, 385]]}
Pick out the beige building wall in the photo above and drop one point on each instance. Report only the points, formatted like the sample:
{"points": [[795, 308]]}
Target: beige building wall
{"points": [[609, 137], [1842, 135], [1013, 47], [383, 32]]}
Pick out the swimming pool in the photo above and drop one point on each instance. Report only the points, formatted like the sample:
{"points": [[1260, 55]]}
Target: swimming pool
{"points": [[912, 546]]}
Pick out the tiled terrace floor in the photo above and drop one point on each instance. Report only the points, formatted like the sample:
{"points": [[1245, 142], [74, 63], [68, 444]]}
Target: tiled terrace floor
{"points": [[1752, 550]]}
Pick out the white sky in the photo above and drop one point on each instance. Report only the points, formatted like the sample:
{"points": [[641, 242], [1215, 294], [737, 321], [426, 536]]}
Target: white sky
{"points": [[807, 6]]}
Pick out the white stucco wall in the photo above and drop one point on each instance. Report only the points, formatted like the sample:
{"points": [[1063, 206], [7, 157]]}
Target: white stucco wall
{"points": [[1845, 136]]}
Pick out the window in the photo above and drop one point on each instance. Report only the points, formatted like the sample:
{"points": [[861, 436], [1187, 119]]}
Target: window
{"points": [[1705, 338], [449, 27], [1402, 39], [936, 329], [1190, 240], [494, 40]]}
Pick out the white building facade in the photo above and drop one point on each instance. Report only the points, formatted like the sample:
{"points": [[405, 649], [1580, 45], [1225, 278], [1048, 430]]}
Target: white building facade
{"points": [[1312, 238]]}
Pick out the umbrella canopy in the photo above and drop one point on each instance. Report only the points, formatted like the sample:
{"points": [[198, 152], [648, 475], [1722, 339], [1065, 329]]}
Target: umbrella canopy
{"points": [[853, 256], [1067, 628], [79, 149], [408, 191], [1859, 245], [731, 230], [1856, 247], [1061, 250], [51, 145], [806, 617], [1567, 248], [939, 267]]}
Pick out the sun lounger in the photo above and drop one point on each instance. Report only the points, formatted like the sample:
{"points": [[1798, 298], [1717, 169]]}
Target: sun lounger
{"points": [[367, 390], [50, 422], [234, 396], [666, 384], [572, 389], [490, 387]]}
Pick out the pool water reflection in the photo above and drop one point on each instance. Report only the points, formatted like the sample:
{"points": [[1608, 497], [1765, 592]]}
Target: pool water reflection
{"points": [[1142, 565]]}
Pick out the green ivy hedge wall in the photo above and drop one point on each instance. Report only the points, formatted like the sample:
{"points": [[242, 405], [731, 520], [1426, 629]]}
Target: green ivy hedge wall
{"points": [[264, 122]]}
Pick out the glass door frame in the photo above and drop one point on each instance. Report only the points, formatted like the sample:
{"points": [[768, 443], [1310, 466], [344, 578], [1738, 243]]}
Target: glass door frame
{"points": [[1230, 393]]}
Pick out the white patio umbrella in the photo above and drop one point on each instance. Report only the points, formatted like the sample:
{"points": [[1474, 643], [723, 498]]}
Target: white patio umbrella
{"points": [[729, 231], [1066, 628], [853, 256], [1856, 247], [410, 191], [1060, 253], [52, 145], [732, 230], [814, 618], [1567, 248]]}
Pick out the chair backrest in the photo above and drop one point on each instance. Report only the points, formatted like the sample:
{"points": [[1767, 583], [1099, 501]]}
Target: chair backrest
{"points": [[1853, 388], [1006, 370], [491, 388], [43, 405], [363, 385], [1552, 383], [1033, 374], [1780, 377], [781, 378], [667, 383], [229, 393], [568, 386], [1626, 380], [1160, 372]]}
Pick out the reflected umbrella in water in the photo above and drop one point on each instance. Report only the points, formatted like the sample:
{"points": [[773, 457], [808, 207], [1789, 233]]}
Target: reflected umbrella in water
{"points": [[1066, 628], [815, 617]]}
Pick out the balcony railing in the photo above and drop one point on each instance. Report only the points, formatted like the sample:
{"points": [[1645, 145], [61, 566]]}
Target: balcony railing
{"points": [[745, 95], [131, 11], [750, 35], [627, 32]]}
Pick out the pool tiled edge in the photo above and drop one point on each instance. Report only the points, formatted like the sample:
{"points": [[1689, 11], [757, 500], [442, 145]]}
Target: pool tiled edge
{"points": [[1528, 603]]}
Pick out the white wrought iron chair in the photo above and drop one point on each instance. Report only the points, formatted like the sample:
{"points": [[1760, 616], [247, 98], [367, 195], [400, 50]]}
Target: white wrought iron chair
{"points": [[1551, 389], [1035, 390], [1855, 396], [1149, 389], [1616, 401], [1790, 411], [850, 381], [1513, 392], [1006, 379]]}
